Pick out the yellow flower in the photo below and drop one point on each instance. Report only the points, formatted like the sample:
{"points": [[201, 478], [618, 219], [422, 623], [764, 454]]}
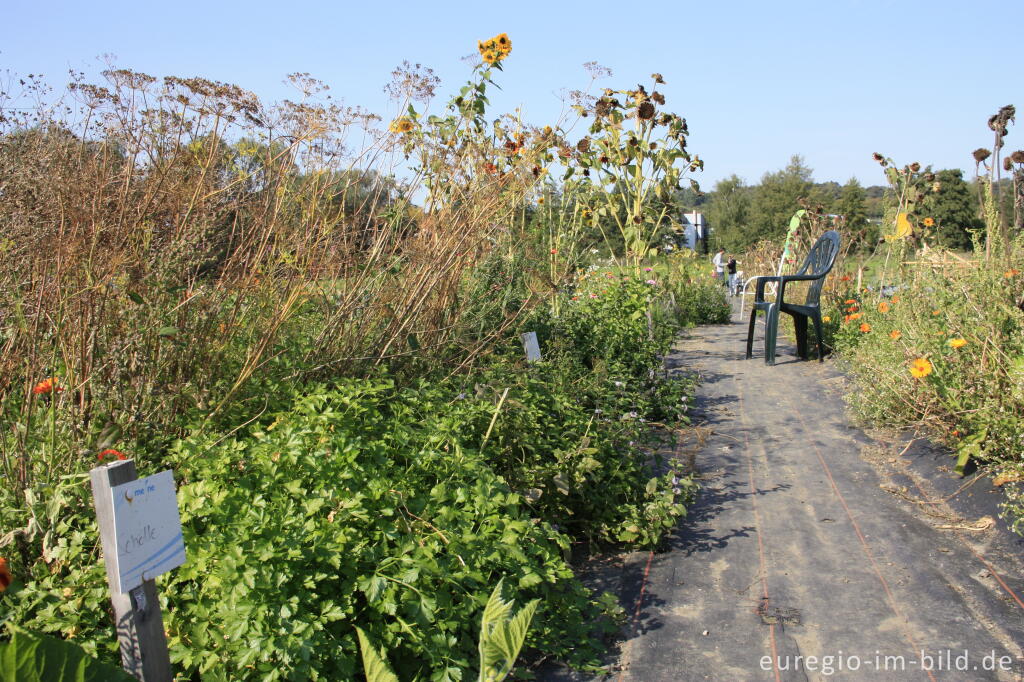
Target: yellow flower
{"points": [[958, 342], [929, 222], [402, 124], [920, 368], [494, 50], [903, 228], [826, 318]]}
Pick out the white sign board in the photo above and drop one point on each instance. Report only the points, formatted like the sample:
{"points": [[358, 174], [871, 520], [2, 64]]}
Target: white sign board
{"points": [[531, 346], [147, 530]]}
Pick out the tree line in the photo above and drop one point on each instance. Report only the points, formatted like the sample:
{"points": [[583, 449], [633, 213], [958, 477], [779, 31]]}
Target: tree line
{"points": [[742, 214]]}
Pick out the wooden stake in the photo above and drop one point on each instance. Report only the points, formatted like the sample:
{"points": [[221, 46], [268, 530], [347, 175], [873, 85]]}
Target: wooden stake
{"points": [[140, 624]]}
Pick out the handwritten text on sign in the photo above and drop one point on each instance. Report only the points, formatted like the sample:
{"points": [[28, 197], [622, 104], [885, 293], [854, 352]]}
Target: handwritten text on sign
{"points": [[147, 529]]}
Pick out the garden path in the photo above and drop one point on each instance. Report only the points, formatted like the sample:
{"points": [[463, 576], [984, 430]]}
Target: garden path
{"points": [[811, 538]]}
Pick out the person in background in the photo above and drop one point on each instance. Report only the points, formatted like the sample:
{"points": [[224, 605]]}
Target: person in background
{"points": [[731, 268], [719, 262]]}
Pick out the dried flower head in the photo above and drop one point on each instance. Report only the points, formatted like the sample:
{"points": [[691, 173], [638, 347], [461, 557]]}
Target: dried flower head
{"points": [[915, 167], [1017, 156], [980, 154], [645, 111], [658, 97]]}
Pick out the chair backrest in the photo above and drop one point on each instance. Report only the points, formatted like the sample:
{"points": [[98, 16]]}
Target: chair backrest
{"points": [[819, 262]]}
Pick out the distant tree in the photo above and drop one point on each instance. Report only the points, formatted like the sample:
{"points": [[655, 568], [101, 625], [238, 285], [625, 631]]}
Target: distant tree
{"points": [[778, 197], [727, 213], [954, 209], [852, 205]]}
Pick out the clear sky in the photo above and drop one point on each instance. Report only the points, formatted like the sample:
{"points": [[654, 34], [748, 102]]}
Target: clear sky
{"points": [[832, 80]]}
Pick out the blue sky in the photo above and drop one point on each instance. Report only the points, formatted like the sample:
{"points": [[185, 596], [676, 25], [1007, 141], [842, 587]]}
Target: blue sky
{"points": [[833, 80]]}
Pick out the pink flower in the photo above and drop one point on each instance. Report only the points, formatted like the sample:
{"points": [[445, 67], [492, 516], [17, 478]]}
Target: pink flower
{"points": [[652, 282]]}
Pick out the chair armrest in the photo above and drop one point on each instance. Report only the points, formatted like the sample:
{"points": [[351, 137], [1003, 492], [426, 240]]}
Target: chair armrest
{"points": [[760, 282], [792, 278]]}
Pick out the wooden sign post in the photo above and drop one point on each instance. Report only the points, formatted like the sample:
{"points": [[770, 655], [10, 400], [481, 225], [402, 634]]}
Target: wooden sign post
{"points": [[140, 540], [531, 346]]}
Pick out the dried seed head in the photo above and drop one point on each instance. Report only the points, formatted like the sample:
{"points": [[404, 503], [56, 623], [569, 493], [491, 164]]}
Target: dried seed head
{"points": [[645, 111], [980, 154], [1017, 156], [658, 97], [583, 145], [1007, 164], [914, 167], [879, 158], [657, 78]]}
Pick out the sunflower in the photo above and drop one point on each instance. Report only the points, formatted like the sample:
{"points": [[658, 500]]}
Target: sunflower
{"points": [[920, 368], [402, 124], [494, 50]]}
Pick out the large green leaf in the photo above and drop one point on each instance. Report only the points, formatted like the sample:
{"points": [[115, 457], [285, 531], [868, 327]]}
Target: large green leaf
{"points": [[374, 665], [502, 635], [31, 657]]}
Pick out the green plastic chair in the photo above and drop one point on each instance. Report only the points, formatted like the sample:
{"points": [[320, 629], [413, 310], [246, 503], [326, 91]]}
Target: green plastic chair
{"points": [[819, 262]]}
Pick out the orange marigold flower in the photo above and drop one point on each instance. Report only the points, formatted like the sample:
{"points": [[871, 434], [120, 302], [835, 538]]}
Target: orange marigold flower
{"points": [[492, 169], [936, 312], [845, 278], [1012, 272], [920, 368], [895, 334], [853, 309], [958, 342], [865, 327], [929, 222], [110, 452], [855, 316], [846, 318], [48, 385], [5, 575], [554, 250], [883, 307], [850, 301], [895, 299]]}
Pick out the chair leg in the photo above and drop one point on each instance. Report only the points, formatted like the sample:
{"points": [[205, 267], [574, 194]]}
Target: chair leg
{"points": [[771, 334], [750, 333], [821, 344], [800, 324]]}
